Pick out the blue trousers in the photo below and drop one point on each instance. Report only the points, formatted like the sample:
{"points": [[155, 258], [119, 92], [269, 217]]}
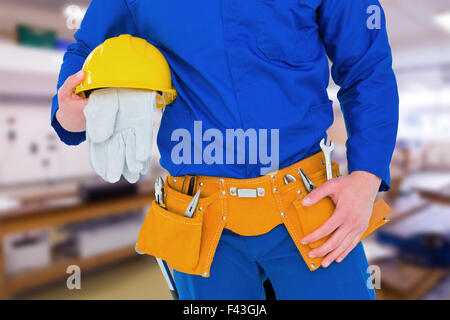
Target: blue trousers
{"points": [[242, 263]]}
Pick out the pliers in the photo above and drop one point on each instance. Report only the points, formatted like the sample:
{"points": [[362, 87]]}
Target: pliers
{"points": [[309, 185], [192, 205]]}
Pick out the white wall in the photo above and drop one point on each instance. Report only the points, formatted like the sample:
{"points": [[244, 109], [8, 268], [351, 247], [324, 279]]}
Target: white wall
{"points": [[32, 125]]}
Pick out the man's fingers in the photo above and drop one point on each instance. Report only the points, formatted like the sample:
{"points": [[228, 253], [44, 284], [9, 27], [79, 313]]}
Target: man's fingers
{"points": [[321, 192], [339, 251], [355, 242], [70, 84], [337, 219], [79, 102], [77, 99], [332, 243]]}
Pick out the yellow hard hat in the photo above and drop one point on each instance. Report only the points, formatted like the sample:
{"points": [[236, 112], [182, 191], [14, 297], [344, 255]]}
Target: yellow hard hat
{"points": [[128, 62]]}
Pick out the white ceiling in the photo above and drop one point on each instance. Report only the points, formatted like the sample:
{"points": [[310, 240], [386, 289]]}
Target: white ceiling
{"points": [[410, 22], [415, 38], [55, 5], [411, 25]]}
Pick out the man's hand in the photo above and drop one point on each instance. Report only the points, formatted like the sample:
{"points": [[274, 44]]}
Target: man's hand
{"points": [[70, 113], [354, 196]]}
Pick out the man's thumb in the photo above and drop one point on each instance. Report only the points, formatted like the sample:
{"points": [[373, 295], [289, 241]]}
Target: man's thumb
{"points": [[76, 79], [79, 76], [70, 84]]}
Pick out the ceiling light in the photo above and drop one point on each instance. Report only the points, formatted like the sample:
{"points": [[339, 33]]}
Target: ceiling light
{"points": [[443, 20], [74, 15]]}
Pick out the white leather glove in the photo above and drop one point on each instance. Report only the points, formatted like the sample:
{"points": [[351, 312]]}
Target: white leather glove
{"points": [[119, 132]]}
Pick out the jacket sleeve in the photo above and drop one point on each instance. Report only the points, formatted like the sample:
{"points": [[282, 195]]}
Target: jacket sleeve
{"points": [[104, 19], [355, 38]]}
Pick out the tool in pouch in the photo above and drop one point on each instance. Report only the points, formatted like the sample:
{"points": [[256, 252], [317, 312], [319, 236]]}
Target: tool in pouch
{"points": [[159, 198], [188, 244], [159, 195], [192, 205], [309, 185], [327, 149], [288, 179], [313, 217], [190, 190], [194, 202]]}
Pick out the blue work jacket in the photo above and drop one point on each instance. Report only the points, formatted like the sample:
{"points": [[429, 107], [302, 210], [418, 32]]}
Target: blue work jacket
{"points": [[260, 64]]}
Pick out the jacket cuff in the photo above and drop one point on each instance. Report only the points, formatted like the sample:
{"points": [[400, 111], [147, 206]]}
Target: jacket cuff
{"points": [[384, 175]]}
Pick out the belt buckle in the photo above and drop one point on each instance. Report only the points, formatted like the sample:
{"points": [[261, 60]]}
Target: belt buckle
{"points": [[247, 193]]}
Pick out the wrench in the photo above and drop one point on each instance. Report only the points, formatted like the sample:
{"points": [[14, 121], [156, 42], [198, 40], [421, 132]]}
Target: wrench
{"points": [[327, 152]]}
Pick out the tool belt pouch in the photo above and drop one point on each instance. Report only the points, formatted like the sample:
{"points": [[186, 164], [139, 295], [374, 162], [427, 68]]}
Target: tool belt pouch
{"points": [[172, 237], [314, 216]]}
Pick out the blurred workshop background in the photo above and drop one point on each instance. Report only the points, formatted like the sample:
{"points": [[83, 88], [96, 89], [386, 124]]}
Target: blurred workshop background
{"points": [[53, 209]]}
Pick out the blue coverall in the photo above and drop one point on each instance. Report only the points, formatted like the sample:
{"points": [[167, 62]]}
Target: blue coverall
{"points": [[263, 64]]}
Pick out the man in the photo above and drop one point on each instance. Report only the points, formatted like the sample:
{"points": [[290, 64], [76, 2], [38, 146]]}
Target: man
{"points": [[263, 64]]}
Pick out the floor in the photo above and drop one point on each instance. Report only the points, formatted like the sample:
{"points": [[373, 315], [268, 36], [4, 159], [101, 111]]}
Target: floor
{"points": [[137, 279]]}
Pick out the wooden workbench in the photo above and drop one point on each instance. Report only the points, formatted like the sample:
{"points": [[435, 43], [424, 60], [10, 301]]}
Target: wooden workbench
{"points": [[41, 215], [441, 196]]}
